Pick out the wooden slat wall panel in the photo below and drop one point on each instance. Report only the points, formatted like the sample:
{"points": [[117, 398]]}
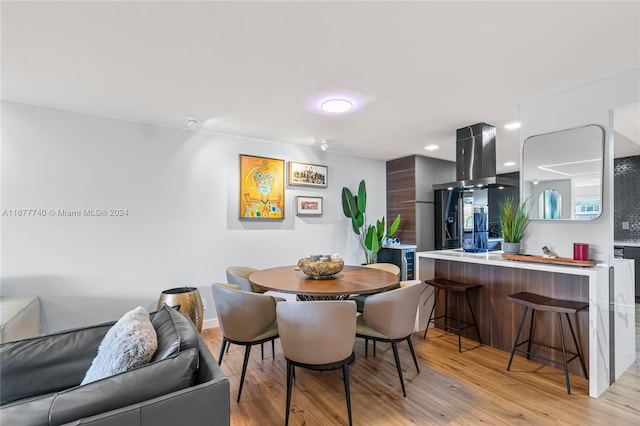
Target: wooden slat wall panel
{"points": [[401, 197], [498, 318]]}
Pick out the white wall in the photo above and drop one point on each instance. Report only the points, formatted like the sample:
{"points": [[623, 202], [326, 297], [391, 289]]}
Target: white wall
{"points": [[180, 189], [587, 104]]}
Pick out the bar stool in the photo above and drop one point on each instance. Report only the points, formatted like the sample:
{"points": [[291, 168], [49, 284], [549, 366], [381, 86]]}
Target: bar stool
{"points": [[547, 304], [456, 288]]}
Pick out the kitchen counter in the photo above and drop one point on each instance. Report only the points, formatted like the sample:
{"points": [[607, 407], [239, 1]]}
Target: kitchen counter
{"points": [[599, 331], [495, 258], [626, 243]]}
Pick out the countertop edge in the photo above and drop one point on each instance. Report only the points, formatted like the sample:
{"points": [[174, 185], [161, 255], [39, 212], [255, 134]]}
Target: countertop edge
{"points": [[495, 259]]}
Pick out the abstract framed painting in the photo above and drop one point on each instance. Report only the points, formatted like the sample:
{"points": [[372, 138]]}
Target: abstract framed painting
{"points": [[261, 188], [307, 174]]}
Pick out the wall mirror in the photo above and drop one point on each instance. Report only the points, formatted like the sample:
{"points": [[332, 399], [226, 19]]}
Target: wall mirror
{"points": [[562, 172]]}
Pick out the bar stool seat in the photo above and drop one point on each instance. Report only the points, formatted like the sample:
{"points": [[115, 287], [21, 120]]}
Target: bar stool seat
{"points": [[536, 302], [456, 288]]}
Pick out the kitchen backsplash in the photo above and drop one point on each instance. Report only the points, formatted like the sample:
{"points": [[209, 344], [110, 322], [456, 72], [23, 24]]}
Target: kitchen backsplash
{"points": [[626, 184]]}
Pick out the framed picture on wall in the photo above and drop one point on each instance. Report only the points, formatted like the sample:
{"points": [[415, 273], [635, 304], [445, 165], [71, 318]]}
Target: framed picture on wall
{"points": [[308, 206], [261, 188], [308, 174]]}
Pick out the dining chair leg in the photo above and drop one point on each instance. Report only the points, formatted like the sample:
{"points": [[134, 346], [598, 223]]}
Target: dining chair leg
{"points": [[374, 348], [290, 373], [247, 350], [262, 351], [394, 346], [366, 348], [273, 348], [413, 354], [345, 374], [228, 346], [224, 344]]}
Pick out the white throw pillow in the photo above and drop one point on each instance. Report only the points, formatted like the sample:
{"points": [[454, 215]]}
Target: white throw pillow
{"points": [[131, 342]]}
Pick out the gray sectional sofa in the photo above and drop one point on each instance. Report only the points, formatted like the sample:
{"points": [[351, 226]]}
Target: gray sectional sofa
{"points": [[182, 385]]}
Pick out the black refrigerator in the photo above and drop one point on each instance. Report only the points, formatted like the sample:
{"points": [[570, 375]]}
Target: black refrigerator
{"points": [[461, 219]]}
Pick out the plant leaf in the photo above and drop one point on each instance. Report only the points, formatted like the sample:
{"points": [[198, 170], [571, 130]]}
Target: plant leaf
{"points": [[394, 226], [356, 227], [380, 229], [349, 205], [371, 240], [362, 197]]}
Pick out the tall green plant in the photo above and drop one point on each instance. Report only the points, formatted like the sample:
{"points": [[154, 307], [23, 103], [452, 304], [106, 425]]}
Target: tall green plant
{"points": [[369, 236], [514, 218]]}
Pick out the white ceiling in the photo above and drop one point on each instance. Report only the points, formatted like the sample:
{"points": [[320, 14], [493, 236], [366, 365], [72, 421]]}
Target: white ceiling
{"points": [[420, 69]]}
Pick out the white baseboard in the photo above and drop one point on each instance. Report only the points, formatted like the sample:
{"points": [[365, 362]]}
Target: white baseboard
{"points": [[210, 323]]}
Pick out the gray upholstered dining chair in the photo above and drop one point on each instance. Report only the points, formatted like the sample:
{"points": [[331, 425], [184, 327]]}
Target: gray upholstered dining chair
{"points": [[387, 267], [245, 319], [239, 275], [394, 269], [390, 317], [317, 335]]}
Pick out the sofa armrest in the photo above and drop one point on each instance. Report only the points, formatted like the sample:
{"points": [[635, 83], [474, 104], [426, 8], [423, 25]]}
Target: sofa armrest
{"points": [[46, 364]]}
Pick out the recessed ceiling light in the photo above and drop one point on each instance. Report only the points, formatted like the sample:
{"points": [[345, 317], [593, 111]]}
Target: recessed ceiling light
{"points": [[512, 126], [431, 147], [450, 188], [501, 187], [510, 163], [336, 106]]}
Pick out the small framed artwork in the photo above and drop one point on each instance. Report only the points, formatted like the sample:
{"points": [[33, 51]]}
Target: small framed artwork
{"points": [[307, 174], [308, 206], [261, 188]]}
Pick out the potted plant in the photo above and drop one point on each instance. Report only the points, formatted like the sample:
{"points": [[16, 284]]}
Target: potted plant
{"points": [[370, 236], [514, 218]]}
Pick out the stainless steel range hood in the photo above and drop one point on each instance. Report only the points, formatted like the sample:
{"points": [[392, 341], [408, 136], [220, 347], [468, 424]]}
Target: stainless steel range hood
{"points": [[476, 159]]}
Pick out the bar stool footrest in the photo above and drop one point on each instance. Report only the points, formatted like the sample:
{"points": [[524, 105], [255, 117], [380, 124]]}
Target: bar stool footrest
{"points": [[449, 327], [574, 355]]}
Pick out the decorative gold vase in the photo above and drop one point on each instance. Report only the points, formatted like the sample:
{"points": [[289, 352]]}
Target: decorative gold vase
{"points": [[188, 298]]}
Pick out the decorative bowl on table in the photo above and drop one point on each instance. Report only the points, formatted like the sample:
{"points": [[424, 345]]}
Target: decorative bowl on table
{"points": [[319, 267]]}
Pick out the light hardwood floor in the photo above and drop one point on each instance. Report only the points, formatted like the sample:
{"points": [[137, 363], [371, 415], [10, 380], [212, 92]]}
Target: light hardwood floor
{"points": [[466, 388]]}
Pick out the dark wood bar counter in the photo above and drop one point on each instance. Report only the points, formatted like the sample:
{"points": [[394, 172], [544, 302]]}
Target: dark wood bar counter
{"points": [[602, 331], [497, 318]]}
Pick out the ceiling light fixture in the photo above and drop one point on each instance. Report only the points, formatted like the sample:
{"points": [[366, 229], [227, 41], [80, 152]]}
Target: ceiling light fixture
{"points": [[324, 145], [192, 123], [431, 147], [510, 163], [535, 181], [336, 105], [512, 126]]}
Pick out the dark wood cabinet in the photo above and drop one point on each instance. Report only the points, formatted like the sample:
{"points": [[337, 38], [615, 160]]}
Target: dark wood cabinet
{"points": [[410, 193]]}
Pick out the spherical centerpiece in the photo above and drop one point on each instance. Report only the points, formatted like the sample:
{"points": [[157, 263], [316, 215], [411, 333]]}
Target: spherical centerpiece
{"points": [[319, 266]]}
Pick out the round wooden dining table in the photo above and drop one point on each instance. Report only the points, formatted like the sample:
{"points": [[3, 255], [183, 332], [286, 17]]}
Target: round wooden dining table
{"points": [[351, 280]]}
